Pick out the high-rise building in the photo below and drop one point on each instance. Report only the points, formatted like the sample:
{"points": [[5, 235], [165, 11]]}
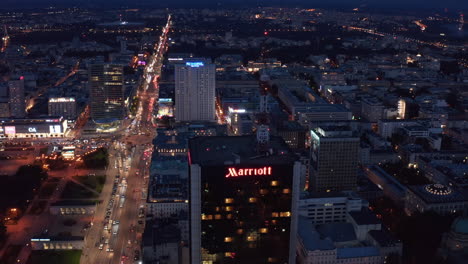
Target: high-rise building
{"points": [[334, 158], [17, 100], [195, 91], [62, 106], [243, 204], [106, 91]]}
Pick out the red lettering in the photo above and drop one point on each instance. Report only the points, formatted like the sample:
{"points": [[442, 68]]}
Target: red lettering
{"points": [[234, 172]]}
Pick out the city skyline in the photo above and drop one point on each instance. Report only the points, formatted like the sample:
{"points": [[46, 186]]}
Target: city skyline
{"points": [[226, 132]]}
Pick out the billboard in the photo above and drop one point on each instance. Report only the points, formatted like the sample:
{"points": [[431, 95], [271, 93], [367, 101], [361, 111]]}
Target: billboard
{"points": [[55, 129], [10, 130]]}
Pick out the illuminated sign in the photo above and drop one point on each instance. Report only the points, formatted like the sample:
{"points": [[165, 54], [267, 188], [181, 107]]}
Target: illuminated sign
{"points": [[195, 64], [32, 130], [55, 129], [237, 111], [165, 100], [10, 130], [236, 172]]}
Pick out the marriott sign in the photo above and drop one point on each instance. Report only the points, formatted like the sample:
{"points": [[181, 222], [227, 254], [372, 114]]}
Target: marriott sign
{"points": [[239, 172]]}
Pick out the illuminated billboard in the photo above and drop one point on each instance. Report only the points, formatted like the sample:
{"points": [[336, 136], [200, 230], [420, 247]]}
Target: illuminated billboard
{"points": [[10, 130], [195, 64], [55, 129]]}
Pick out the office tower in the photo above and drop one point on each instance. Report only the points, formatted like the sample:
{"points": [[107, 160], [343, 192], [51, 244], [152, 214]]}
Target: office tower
{"points": [[62, 106], [243, 203], [334, 158], [17, 100], [106, 91], [195, 91]]}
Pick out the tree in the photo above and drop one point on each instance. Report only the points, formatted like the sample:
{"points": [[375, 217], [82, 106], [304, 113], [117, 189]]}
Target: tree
{"points": [[97, 159]]}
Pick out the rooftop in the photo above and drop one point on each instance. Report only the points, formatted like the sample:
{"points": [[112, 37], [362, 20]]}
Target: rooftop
{"points": [[311, 239], [364, 217], [437, 193], [337, 232], [229, 150]]}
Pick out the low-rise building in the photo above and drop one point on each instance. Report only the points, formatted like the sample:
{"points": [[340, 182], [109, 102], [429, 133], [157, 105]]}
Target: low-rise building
{"points": [[435, 197]]}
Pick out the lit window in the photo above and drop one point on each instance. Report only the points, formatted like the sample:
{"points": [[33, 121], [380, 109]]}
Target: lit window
{"points": [[207, 217], [286, 191], [263, 191], [229, 208], [228, 200], [252, 200], [229, 216], [285, 214], [228, 239], [250, 238], [274, 183], [274, 214], [217, 216], [240, 231], [263, 230], [227, 254]]}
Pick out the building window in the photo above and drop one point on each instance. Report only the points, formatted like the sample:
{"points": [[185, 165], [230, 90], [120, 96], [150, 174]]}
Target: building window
{"points": [[285, 214], [274, 183], [228, 200], [252, 200], [228, 239]]}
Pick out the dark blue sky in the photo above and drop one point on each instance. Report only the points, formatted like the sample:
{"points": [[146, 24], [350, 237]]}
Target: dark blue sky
{"points": [[413, 4]]}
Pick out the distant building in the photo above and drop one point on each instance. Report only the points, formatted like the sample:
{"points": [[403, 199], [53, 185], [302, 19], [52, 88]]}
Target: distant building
{"points": [[195, 91], [334, 158], [17, 100], [243, 204], [106, 92], [293, 134], [435, 197], [240, 122], [62, 106], [372, 109], [329, 208]]}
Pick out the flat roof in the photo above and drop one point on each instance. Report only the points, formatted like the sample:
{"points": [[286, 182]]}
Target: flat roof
{"points": [[220, 150], [364, 217]]}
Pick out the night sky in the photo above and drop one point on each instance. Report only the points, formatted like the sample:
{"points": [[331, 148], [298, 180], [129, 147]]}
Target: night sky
{"points": [[414, 4]]}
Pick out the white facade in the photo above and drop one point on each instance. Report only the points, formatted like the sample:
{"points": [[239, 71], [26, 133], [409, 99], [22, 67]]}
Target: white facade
{"points": [[195, 91], [328, 209], [166, 209]]}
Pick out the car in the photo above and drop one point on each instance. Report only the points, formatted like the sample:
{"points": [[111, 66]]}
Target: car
{"points": [[107, 241], [116, 222], [109, 249], [101, 246]]}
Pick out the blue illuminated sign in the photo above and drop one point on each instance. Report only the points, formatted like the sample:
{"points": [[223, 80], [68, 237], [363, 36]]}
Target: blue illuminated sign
{"points": [[195, 64]]}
